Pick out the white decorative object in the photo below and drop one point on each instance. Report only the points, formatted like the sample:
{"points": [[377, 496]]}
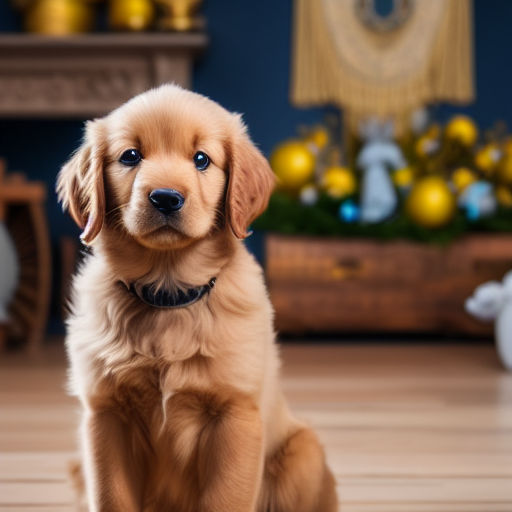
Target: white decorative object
{"points": [[309, 195], [8, 271], [493, 301], [420, 119], [479, 200], [380, 152]]}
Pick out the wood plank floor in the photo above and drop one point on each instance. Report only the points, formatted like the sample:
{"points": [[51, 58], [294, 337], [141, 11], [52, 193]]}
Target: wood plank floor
{"points": [[407, 428]]}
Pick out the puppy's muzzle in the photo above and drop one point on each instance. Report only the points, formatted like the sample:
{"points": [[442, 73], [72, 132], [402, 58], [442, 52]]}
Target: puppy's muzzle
{"points": [[166, 200]]}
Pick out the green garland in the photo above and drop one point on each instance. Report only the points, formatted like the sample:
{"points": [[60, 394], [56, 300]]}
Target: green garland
{"points": [[286, 215]]}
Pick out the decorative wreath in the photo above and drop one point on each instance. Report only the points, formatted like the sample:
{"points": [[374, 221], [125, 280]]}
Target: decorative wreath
{"points": [[367, 13]]}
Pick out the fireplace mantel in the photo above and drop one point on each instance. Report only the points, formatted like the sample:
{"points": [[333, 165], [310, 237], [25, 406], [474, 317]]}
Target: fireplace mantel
{"points": [[88, 75]]}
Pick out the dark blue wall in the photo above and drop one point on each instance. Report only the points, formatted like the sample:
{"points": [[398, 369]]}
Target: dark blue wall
{"points": [[246, 69]]}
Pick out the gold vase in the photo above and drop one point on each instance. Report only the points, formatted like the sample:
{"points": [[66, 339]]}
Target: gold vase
{"points": [[58, 17], [131, 15], [180, 15]]}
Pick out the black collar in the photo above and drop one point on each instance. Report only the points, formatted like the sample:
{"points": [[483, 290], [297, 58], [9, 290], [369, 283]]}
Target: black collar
{"points": [[167, 300]]}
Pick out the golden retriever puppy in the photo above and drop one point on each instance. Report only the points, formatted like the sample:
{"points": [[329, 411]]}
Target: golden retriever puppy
{"points": [[170, 336]]}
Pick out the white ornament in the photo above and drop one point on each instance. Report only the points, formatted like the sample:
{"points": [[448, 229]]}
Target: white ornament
{"points": [[419, 120], [309, 195], [493, 301], [8, 271], [378, 195]]}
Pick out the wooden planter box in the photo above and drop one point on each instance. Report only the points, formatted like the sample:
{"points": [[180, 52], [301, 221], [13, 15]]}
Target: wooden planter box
{"points": [[333, 285]]}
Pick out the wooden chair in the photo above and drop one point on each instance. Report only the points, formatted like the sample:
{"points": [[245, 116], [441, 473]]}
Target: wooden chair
{"points": [[22, 209]]}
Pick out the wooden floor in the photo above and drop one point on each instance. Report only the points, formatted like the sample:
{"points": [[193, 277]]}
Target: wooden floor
{"points": [[407, 428]]}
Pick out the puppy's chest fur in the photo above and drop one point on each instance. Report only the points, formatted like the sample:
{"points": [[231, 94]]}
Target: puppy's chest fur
{"points": [[142, 392], [138, 394], [173, 427]]}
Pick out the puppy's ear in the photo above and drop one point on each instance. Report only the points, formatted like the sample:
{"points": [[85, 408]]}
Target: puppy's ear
{"points": [[80, 186], [251, 182]]}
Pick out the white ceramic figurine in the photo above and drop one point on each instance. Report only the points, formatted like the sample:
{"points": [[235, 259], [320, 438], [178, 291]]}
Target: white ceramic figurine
{"points": [[493, 301], [379, 154]]}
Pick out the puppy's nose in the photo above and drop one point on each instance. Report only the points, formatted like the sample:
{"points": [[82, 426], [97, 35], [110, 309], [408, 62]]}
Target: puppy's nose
{"points": [[166, 200]]}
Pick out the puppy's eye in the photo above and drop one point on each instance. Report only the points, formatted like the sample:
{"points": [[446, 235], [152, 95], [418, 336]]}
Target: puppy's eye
{"points": [[201, 161], [131, 157]]}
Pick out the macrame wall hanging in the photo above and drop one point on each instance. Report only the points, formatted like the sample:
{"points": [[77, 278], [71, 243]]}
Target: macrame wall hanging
{"points": [[382, 67]]}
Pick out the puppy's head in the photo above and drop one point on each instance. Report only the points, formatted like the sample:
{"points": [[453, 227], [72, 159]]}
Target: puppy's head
{"points": [[166, 168]]}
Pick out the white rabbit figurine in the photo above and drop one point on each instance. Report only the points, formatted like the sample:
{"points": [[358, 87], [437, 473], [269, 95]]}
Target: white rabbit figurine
{"points": [[379, 153], [493, 301]]}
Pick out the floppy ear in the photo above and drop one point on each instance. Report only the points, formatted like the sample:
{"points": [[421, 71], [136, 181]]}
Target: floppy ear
{"points": [[80, 185], [251, 181]]}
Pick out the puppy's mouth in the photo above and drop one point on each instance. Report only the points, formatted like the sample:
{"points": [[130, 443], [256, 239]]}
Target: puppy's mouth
{"points": [[163, 236], [165, 229], [153, 229], [169, 229]]}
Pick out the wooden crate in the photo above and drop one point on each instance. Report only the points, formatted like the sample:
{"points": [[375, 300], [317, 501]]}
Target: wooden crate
{"points": [[333, 285]]}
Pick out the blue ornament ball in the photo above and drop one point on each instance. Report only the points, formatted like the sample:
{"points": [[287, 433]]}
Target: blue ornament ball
{"points": [[349, 211], [478, 200]]}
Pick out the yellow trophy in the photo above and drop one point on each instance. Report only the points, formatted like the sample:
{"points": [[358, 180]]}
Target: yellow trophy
{"points": [[180, 15]]}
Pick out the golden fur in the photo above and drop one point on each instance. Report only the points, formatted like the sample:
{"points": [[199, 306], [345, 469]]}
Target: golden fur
{"points": [[182, 408]]}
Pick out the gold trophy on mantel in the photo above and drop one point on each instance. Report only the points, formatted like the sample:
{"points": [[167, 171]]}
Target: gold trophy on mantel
{"points": [[57, 17], [180, 15]]}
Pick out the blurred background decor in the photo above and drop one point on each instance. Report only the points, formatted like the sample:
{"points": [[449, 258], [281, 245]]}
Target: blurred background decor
{"points": [[131, 15], [425, 195], [25, 280], [385, 66], [492, 301], [67, 17], [88, 75], [9, 269], [442, 222], [180, 15], [378, 196], [57, 17]]}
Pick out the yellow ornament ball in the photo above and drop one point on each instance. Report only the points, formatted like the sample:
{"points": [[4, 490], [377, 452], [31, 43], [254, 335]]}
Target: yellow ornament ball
{"points": [[462, 129], [403, 177], [293, 163], [504, 172], [504, 196], [339, 182], [488, 157], [431, 203], [462, 178]]}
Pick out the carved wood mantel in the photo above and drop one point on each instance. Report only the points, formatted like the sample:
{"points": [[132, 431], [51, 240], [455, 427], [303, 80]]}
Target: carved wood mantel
{"points": [[88, 75]]}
